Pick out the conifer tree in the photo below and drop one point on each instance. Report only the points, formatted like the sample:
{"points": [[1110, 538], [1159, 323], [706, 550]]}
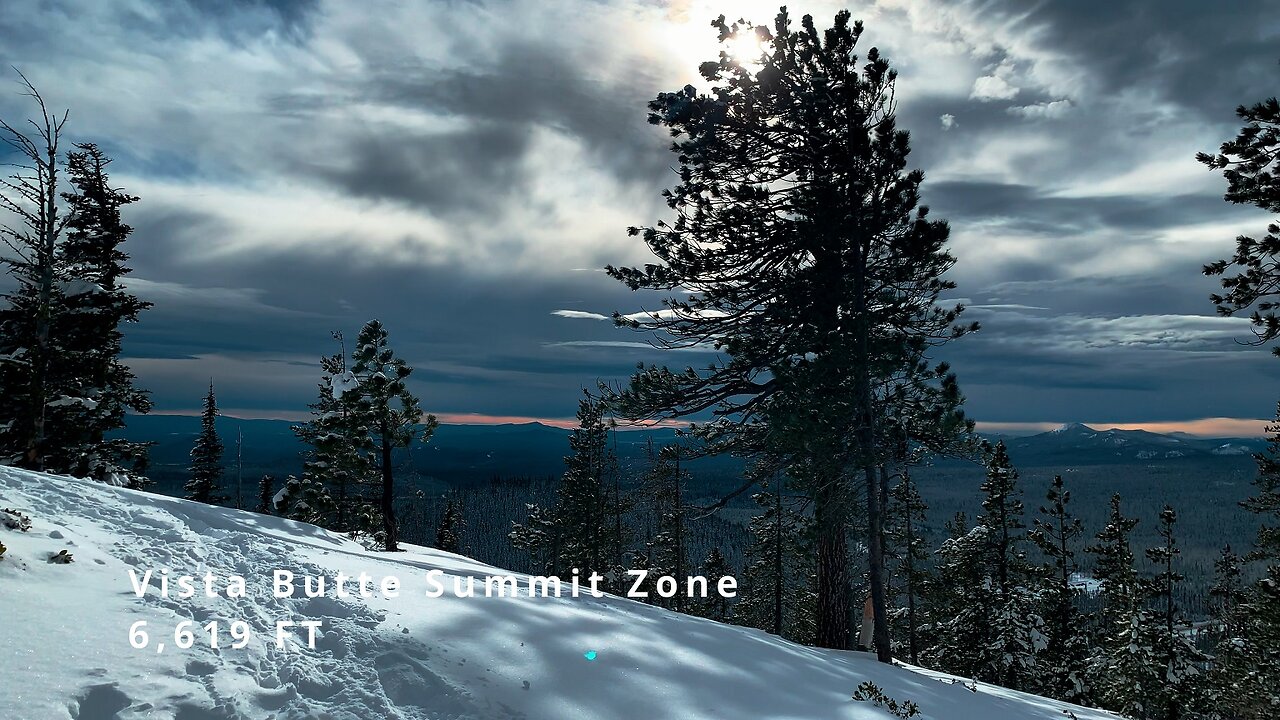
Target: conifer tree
{"points": [[818, 275], [385, 415], [95, 389], [449, 532], [1229, 687], [714, 606], [1176, 658], [962, 609], [777, 591], [266, 495], [205, 484], [1124, 675], [908, 550], [663, 485], [1014, 621], [64, 386], [1251, 165], [1255, 651], [1066, 652], [336, 474], [579, 530]]}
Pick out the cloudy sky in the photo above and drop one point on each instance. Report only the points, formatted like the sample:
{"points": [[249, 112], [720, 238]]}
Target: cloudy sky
{"points": [[462, 169]]}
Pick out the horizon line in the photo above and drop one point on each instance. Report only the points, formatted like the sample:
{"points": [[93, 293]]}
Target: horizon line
{"points": [[1211, 427]]}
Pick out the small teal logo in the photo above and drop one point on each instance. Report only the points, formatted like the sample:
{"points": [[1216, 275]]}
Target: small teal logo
{"points": [[590, 654]]}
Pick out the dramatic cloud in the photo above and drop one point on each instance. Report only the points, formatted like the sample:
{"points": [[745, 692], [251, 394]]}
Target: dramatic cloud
{"points": [[454, 168]]}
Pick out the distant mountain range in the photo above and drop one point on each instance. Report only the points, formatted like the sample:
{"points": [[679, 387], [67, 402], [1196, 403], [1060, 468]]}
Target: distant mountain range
{"points": [[476, 453], [1077, 444]]}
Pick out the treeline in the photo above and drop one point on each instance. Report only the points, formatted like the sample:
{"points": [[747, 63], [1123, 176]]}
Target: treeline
{"points": [[63, 387]]}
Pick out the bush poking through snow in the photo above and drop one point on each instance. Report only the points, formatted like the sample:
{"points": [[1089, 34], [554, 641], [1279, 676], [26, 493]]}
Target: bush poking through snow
{"points": [[14, 520], [62, 557], [2, 549], [870, 692]]}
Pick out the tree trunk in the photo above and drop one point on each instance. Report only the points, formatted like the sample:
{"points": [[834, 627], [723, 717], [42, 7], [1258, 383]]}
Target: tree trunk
{"points": [[388, 497], [777, 561], [833, 570]]}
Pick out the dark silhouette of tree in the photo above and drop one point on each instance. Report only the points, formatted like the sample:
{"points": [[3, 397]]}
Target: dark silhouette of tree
{"points": [[1251, 163], [205, 483], [266, 495], [813, 272], [449, 532]]}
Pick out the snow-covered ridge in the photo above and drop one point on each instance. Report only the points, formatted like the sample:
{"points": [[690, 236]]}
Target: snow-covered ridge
{"points": [[66, 649]]}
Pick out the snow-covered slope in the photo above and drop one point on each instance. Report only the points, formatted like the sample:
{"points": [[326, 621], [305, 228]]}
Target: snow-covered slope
{"points": [[65, 647]]}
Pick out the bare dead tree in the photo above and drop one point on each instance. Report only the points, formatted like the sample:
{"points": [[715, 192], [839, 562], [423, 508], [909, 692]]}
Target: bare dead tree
{"points": [[30, 196]]}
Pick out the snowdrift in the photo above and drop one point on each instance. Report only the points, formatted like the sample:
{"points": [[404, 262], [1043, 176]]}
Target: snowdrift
{"points": [[66, 650]]}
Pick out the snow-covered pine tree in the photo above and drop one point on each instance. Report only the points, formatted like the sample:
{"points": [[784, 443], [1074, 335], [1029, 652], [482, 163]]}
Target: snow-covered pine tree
{"points": [[1066, 653], [338, 476], [578, 530], [1225, 692], [449, 532], [1257, 645], [1124, 674], [714, 606], [907, 551], [663, 487], [385, 414], [1016, 626], [97, 389], [963, 605], [205, 483], [777, 580], [1177, 658], [266, 495]]}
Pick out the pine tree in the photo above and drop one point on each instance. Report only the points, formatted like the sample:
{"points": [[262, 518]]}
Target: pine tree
{"points": [[449, 532], [1014, 622], [962, 609], [777, 580], [205, 484], [1065, 658], [64, 386], [664, 487], [1124, 674], [1254, 657], [1251, 165], [266, 495], [385, 415], [95, 389], [580, 529], [818, 276], [337, 476], [908, 550], [1178, 659], [714, 606]]}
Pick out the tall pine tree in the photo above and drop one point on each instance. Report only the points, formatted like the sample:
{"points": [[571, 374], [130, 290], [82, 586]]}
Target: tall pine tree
{"points": [[818, 275], [384, 414], [1066, 653], [1124, 674], [777, 580], [205, 483]]}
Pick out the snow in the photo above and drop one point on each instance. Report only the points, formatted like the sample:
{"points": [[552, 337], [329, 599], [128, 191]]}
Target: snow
{"points": [[66, 650], [342, 383], [72, 288]]}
